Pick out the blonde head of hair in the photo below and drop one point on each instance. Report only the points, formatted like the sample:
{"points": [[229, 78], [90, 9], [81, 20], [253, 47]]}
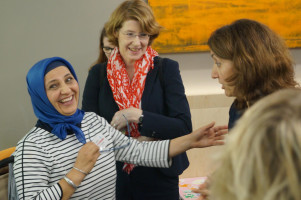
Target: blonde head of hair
{"points": [[262, 159]]}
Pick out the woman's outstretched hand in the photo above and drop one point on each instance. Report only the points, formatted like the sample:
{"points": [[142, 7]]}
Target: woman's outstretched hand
{"points": [[208, 135]]}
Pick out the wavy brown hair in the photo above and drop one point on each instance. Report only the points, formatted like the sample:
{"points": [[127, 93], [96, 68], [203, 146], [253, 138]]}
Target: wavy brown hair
{"points": [[261, 61], [132, 10]]}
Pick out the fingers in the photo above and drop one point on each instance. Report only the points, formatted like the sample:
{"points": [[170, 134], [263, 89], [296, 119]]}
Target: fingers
{"points": [[90, 147], [115, 125], [115, 120], [220, 128], [121, 117], [219, 138], [118, 120], [87, 157], [218, 143], [119, 126], [220, 133], [204, 130], [208, 126]]}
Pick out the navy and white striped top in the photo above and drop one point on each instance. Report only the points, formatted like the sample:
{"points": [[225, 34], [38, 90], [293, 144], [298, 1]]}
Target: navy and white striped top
{"points": [[42, 159]]}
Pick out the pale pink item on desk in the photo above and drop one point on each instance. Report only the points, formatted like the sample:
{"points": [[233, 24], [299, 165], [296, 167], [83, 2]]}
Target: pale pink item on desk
{"points": [[187, 184]]}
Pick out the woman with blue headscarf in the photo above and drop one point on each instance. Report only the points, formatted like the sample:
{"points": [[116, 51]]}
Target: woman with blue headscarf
{"points": [[72, 154]]}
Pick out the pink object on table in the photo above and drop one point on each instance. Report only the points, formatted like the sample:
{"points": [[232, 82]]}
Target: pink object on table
{"points": [[187, 184]]}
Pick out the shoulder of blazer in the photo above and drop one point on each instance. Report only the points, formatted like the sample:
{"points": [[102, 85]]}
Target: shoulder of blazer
{"points": [[160, 62], [163, 64]]}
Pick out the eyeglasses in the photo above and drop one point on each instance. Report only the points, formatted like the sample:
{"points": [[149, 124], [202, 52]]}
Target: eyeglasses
{"points": [[132, 36], [107, 49], [103, 143]]}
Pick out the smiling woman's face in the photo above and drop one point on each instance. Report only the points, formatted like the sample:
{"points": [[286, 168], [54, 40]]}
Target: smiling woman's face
{"points": [[222, 69], [62, 90], [132, 48]]}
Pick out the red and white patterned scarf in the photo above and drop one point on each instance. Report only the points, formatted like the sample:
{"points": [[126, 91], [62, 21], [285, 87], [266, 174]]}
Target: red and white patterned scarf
{"points": [[125, 92]]}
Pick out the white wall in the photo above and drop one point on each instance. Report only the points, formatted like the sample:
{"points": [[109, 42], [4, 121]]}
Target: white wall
{"points": [[33, 29]]}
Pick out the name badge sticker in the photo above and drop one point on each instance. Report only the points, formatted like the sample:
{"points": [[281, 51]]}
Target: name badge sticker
{"points": [[102, 142]]}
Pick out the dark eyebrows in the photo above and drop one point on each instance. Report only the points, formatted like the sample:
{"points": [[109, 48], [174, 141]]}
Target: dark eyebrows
{"points": [[69, 74], [53, 80]]}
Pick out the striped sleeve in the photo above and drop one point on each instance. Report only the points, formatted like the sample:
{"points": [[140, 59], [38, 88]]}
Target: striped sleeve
{"points": [[149, 154], [31, 170]]}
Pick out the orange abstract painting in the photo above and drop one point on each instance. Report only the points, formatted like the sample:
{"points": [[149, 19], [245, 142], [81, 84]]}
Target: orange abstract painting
{"points": [[189, 23]]}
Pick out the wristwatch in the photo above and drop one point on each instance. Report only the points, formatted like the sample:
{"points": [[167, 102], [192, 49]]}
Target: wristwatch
{"points": [[140, 120]]}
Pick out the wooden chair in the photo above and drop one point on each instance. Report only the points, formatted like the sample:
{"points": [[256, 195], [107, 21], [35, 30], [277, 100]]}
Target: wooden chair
{"points": [[7, 184]]}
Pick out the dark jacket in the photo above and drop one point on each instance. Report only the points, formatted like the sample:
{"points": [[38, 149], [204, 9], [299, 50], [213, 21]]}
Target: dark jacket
{"points": [[234, 115]]}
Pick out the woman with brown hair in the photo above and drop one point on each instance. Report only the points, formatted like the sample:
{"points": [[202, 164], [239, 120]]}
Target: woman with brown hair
{"points": [[250, 61]]}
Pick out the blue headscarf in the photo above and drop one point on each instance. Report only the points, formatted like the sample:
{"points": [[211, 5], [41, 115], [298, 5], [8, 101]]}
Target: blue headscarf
{"points": [[42, 107]]}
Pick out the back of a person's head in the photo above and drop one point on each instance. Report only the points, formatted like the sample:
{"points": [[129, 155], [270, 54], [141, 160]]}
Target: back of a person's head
{"points": [[262, 159], [261, 60]]}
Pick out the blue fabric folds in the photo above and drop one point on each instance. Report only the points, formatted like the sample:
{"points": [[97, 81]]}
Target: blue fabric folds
{"points": [[42, 107]]}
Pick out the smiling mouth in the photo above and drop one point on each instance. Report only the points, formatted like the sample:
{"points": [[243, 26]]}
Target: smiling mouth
{"points": [[135, 49], [66, 99]]}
